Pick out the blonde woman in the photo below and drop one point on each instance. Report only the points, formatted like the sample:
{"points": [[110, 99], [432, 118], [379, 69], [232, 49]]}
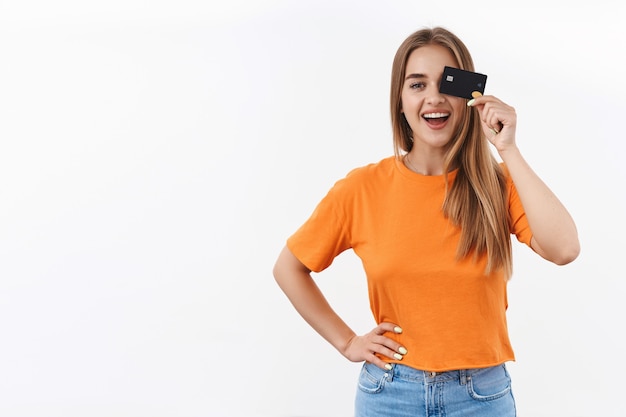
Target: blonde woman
{"points": [[432, 225]]}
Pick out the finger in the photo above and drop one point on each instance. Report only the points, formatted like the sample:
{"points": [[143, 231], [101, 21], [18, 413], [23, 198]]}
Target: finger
{"points": [[380, 363], [393, 349], [491, 118], [494, 124], [388, 347], [372, 357], [385, 327], [389, 353], [478, 100]]}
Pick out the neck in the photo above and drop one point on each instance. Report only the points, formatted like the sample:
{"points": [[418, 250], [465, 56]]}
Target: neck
{"points": [[424, 164]]}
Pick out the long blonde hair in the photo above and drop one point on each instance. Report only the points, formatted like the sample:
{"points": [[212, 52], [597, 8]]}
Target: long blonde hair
{"points": [[477, 199]]}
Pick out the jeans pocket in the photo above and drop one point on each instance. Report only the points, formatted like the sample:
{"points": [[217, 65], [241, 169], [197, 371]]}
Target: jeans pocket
{"points": [[372, 379], [489, 384]]}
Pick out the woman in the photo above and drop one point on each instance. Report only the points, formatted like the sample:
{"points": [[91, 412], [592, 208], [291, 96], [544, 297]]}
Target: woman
{"points": [[432, 225]]}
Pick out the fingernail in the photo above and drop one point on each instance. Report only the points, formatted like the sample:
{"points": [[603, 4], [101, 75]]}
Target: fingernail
{"points": [[494, 131], [470, 103], [388, 367], [397, 356], [476, 94], [403, 350], [397, 329]]}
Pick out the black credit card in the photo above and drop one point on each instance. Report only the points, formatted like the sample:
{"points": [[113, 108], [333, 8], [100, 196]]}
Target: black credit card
{"points": [[461, 83]]}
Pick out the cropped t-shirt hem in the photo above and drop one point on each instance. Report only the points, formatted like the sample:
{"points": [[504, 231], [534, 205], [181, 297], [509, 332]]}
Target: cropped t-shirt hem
{"points": [[459, 367]]}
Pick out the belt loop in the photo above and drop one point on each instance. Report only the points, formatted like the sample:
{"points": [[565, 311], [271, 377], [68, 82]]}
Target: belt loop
{"points": [[463, 377], [389, 373]]}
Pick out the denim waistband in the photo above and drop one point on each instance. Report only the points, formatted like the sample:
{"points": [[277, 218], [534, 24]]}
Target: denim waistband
{"points": [[411, 374]]}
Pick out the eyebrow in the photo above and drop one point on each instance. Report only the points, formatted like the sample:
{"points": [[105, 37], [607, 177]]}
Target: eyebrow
{"points": [[414, 76]]}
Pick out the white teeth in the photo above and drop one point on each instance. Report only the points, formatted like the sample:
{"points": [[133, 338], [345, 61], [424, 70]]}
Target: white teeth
{"points": [[436, 115]]}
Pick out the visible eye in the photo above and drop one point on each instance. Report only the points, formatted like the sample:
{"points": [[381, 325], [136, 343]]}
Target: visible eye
{"points": [[417, 85]]}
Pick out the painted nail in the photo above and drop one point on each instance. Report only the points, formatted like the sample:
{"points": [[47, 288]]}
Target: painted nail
{"points": [[388, 367], [403, 350], [470, 103], [494, 131], [397, 356], [397, 329]]}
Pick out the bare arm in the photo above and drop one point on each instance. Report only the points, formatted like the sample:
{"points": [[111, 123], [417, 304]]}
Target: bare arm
{"points": [[296, 282], [554, 232], [555, 237]]}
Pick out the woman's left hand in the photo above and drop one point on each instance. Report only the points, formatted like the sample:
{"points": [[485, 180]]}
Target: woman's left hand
{"points": [[498, 120]]}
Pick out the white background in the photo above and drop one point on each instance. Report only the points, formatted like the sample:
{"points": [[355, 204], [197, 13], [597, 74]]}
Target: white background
{"points": [[155, 155]]}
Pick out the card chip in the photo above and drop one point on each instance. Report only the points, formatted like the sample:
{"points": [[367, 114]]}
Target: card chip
{"points": [[450, 78]]}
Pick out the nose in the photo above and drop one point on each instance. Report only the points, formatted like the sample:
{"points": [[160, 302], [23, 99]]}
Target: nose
{"points": [[434, 96]]}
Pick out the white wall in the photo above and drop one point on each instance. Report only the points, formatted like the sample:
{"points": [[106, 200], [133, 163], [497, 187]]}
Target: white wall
{"points": [[155, 156]]}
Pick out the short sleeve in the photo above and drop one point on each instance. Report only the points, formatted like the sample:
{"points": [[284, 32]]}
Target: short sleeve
{"points": [[326, 232]]}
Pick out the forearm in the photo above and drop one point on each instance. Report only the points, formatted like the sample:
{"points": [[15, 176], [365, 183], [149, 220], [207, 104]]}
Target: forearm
{"points": [[298, 285], [554, 231]]}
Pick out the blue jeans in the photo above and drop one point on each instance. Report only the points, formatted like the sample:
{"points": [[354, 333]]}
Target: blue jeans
{"points": [[409, 392]]}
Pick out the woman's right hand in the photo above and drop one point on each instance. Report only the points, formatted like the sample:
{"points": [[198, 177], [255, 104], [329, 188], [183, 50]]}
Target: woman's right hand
{"points": [[294, 278], [365, 347]]}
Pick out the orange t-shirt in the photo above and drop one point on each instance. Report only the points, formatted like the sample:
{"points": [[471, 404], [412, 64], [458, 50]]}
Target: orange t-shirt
{"points": [[453, 316]]}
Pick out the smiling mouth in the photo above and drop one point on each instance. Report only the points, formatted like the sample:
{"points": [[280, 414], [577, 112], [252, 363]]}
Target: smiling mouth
{"points": [[436, 119]]}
